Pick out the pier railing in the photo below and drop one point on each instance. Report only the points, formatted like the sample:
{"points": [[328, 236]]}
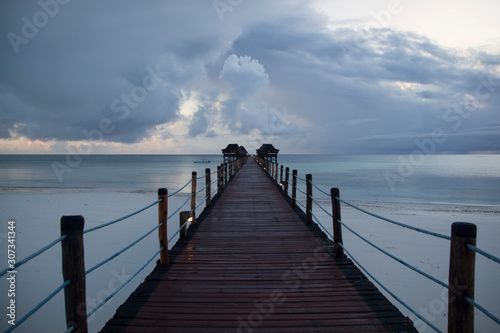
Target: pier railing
{"points": [[73, 253], [463, 249]]}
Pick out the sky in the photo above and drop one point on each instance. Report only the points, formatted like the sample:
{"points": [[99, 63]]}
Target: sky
{"points": [[191, 76]]}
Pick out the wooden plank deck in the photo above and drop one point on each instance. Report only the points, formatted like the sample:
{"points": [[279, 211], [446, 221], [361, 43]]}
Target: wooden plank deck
{"points": [[252, 265]]}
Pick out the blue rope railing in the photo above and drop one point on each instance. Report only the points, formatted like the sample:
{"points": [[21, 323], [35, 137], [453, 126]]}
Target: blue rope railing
{"points": [[123, 285], [37, 307], [189, 182], [201, 202], [391, 293], [435, 234], [484, 253], [430, 277], [122, 250], [483, 310], [180, 207], [31, 256], [316, 187], [121, 218], [177, 232]]}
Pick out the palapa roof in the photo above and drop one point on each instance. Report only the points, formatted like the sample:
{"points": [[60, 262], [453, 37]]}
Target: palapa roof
{"points": [[233, 149], [230, 149], [266, 149]]}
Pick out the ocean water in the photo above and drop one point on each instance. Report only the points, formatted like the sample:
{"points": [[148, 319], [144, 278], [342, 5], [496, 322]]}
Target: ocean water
{"points": [[432, 179]]}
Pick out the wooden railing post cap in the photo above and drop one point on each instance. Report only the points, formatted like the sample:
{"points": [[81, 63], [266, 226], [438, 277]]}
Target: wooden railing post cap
{"points": [[72, 222], [194, 173], [335, 192], [162, 191], [464, 229]]}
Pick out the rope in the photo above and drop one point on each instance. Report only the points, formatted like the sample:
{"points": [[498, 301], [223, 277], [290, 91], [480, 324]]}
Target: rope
{"points": [[33, 255], [300, 203], [298, 189], [483, 310], [397, 223], [327, 194], [70, 329], [201, 203], [178, 209], [202, 189], [391, 293], [36, 308], [396, 258], [121, 218], [189, 182], [178, 230], [317, 203], [484, 253], [122, 250], [123, 285], [304, 180], [321, 225]]}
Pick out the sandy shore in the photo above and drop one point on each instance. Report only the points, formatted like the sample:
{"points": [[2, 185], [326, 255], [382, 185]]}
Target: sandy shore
{"points": [[37, 214]]}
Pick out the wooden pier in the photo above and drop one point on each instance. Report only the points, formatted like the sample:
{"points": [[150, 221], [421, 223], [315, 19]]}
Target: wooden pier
{"points": [[252, 264]]}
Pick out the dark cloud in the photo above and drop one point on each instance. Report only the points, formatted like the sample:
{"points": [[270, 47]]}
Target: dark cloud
{"points": [[117, 70]]}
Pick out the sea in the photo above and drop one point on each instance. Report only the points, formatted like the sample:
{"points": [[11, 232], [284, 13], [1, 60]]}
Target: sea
{"points": [[429, 179], [36, 190]]}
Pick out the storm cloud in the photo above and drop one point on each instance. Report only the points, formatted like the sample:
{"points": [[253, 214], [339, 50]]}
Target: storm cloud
{"points": [[123, 71]]}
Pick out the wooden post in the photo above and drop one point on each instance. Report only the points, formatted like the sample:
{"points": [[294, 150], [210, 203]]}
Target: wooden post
{"points": [[309, 193], [294, 188], [286, 180], [73, 269], [183, 217], [276, 172], [271, 171], [208, 192], [461, 278], [281, 177], [162, 231], [193, 197], [219, 180], [337, 227], [225, 175]]}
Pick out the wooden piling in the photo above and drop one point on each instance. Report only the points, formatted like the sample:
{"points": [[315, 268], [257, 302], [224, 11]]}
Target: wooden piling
{"points": [[193, 197], [281, 176], [224, 169], [73, 269], [337, 227], [309, 201], [219, 180], [162, 230], [208, 184], [287, 178], [183, 218], [294, 188], [276, 172], [461, 278]]}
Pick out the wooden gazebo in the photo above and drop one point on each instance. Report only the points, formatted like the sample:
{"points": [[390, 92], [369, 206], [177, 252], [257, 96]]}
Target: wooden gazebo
{"points": [[233, 152], [268, 153]]}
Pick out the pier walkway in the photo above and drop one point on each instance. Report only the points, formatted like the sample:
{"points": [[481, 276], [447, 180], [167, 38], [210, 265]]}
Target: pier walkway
{"points": [[253, 265]]}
